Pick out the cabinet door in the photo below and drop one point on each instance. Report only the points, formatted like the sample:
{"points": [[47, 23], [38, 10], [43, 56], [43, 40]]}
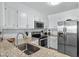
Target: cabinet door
{"points": [[30, 22], [36, 18], [1, 15], [10, 18], [41, 19], [22, 19], [52, 42]]}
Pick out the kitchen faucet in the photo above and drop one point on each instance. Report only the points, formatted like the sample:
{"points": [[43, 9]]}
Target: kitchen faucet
{"points": [[17, 37]]}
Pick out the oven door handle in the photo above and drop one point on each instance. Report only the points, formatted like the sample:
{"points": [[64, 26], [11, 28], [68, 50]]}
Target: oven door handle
{"points": [[43, 39]]}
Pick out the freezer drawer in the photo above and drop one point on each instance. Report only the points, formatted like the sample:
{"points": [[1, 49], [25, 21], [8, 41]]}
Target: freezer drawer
{"points": [[72, 51]]}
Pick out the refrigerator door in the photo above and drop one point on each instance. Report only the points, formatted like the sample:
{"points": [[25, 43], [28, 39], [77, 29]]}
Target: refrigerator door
{"points": [[71, 51], [60, 26], [71, 33], [61, 48], [60, 32], [61, 36], [71, 38]]}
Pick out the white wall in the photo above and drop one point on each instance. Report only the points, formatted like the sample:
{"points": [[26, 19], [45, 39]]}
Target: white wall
{"points": [[54, 18]]}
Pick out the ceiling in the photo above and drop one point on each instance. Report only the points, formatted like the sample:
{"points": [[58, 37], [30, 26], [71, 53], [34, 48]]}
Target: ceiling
{"points": [[50, 9]]}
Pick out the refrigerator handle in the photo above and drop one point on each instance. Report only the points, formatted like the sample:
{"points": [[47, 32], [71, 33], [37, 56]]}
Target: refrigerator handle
{"points": [[64, 30]]}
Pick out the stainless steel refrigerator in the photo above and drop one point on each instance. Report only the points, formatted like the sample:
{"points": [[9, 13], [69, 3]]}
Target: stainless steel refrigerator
{"points": [[68, 37]]}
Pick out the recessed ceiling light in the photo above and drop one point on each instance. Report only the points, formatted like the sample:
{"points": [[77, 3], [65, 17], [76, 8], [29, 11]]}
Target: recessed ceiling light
{"points": [[54, 3]]}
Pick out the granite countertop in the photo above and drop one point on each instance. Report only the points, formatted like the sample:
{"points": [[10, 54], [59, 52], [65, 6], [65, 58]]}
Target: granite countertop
{"points": [[9, 50]]}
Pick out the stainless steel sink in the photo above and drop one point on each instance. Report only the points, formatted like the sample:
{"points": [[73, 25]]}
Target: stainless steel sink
{"points": [[28, 48], [22, 46]]}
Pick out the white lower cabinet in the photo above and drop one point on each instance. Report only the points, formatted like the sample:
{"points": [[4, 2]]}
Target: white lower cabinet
{"points": [[52, 42]]}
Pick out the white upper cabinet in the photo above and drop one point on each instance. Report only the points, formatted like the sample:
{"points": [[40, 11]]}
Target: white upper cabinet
{"points": [[10, 18], [22, 19], [18, 16], [41, 19], [30, 22], [1, 15], [36, 18]]}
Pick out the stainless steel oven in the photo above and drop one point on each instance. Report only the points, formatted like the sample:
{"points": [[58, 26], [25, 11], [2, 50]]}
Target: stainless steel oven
{"points": [[43, 42]]}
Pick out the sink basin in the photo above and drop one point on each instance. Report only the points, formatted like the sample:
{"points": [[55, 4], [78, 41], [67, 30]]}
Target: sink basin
{"points": [[28, 48], [22, 46]]}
